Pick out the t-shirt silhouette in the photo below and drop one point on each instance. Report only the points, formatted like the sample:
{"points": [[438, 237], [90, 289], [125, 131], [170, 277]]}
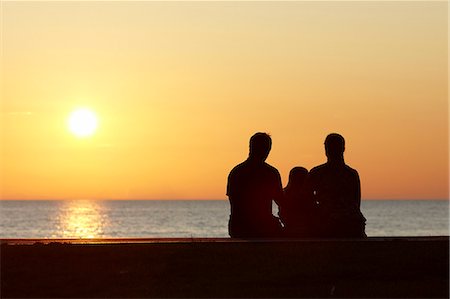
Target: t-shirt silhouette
{"points": [[251, 188], [336, 189]]}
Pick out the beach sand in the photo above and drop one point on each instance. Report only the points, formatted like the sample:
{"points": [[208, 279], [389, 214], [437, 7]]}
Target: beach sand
{"points": [[211, 268]]}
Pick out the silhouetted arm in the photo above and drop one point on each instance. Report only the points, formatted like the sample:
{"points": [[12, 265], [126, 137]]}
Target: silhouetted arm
{"points": [[229, 184], [307, 191], [357, 190], [278, 195]]}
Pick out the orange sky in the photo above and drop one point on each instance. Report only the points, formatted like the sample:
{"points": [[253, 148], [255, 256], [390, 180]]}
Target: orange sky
{"points": [[179, 87]]}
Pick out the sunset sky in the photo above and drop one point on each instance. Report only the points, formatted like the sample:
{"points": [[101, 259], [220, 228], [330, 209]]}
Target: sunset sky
{"points": [[178, 88]]}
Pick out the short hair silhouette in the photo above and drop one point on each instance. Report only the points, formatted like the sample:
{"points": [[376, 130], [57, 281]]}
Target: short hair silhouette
{"points": [[252, 187], [334, 145], [260, 145], [336, 188]]}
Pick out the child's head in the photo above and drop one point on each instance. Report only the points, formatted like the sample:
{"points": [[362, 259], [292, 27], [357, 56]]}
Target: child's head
{"points": [[297, 176]]}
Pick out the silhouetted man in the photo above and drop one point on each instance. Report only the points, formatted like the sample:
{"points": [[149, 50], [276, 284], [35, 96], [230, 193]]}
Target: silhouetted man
{"points": [[335, 187], [252, 185]]}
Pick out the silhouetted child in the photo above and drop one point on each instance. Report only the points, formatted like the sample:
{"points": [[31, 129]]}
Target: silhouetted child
{"points": [[297, 212]]}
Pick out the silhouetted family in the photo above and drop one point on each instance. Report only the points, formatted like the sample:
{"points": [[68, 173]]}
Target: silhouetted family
{"points": [[322, 203]]}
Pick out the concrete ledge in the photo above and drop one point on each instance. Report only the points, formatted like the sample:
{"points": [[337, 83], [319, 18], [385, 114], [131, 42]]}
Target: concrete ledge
{"points": [[394, 267]]}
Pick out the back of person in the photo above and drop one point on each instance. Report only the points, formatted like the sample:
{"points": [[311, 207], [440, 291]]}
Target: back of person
{"points": [[335, 187], [252, 186], [297, 212], [336, 191]]}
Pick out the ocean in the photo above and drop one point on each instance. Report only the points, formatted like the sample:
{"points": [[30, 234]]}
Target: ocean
{"points": [[203, 218]]}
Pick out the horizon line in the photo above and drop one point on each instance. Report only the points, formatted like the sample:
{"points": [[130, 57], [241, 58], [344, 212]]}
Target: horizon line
{"points": [[192, 199]]}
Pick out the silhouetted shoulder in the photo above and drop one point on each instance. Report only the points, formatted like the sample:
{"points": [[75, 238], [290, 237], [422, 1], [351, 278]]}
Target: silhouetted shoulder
{"points": [[237, 168], [272, 169], [351, 170], [234, 177], [317, 170], [247, 165], [326, 167]]}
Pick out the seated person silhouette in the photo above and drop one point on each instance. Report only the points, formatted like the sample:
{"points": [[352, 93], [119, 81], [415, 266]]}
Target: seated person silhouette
{"points": [[297, 211], [335, 187], [252, 186]]}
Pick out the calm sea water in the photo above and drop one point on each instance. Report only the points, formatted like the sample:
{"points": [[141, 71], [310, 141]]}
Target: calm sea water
{"points": [[92, 219]]}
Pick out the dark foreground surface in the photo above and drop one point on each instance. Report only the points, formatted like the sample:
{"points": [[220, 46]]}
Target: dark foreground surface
{"points": [[376, 267]]}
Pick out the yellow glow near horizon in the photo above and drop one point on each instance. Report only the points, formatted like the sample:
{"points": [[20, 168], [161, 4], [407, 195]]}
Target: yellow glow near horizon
{"points": [[83, 122], [179, 88]]}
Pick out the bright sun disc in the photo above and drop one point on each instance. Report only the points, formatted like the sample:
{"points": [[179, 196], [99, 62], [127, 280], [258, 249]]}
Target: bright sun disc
{"points": [[82, 122]]}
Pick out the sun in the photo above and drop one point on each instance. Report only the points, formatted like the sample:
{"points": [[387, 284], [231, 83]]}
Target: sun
{"points": [[82, 122]]}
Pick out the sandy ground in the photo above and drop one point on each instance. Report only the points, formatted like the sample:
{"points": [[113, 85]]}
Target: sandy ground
{"points": [[212, 268]]}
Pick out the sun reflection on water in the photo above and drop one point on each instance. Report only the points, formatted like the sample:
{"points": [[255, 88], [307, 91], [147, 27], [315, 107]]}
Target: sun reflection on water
{"points": [[82, 219]]}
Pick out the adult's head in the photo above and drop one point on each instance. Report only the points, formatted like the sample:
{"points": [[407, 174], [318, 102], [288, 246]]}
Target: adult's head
{"points": [[260, 145], [334, 147]]}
